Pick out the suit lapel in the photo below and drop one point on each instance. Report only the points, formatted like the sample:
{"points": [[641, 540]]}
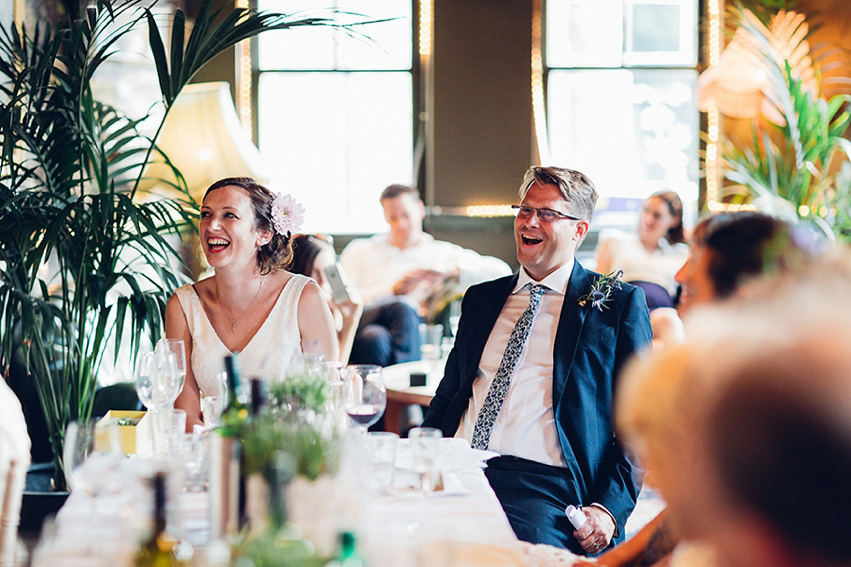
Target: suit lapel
{"points": [[570, 325]]}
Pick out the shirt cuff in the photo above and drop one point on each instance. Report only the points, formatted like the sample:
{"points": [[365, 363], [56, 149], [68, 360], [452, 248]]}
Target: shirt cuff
{"points": [[606, 510]]}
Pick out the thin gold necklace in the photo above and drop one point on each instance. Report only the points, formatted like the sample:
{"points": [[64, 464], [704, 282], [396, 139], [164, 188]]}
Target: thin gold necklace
{"points": [[235, 321]]}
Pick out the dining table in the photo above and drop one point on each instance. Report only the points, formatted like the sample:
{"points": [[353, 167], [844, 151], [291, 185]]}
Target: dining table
{"points": [[460, 523], [409, 383]]}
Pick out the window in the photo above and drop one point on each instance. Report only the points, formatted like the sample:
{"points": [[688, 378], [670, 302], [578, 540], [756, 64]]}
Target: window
{"points": [[335, 111], [621, 97]]}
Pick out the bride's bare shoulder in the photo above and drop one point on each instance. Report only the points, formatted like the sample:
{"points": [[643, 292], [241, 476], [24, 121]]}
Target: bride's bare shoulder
{"points": [[205, 288]]}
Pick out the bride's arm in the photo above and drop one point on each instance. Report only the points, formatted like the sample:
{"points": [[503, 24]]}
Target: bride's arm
{"points": [[316, 325], [190, 397]]}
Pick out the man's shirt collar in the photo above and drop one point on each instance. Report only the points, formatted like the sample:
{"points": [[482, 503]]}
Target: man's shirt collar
{"points": [[556, 281]]}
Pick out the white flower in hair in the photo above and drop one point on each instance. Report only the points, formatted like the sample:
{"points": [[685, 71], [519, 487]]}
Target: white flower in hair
{"points": [[287, 214]]}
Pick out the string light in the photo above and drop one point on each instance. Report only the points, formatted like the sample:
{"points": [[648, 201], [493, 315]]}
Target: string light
{"points": [[425, 31], [539, 109], [711, 162], [489, 211]]}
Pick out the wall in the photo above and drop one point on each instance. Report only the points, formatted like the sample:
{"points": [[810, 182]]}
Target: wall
{"points": [[482, 117], [482, 103]]}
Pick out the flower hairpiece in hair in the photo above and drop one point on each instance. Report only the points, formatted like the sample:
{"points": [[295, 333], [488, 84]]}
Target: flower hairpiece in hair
{"points": [[287, 214], [601, 289]]}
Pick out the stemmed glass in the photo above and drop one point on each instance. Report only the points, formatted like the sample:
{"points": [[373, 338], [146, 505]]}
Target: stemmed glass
{"points": [[364, 394], [87, 467], [158, 383], [178, 348]]}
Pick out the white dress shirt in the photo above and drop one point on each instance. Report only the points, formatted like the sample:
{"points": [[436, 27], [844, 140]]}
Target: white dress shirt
{"points": [[525, 425], [373, 265]]}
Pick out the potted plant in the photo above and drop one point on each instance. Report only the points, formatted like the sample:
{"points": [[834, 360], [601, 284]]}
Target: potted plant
{"points": [[797, 160], [82, 258]]}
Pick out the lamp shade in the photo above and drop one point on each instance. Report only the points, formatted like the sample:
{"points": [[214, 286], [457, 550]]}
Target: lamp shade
{"points": [[203, 138], [739, 84]]}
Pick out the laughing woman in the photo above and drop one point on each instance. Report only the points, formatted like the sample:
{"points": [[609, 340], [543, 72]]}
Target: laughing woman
{"points": [[252, 305]]}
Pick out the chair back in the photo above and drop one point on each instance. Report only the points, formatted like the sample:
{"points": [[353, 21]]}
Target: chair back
{"points": [[14, 463]]}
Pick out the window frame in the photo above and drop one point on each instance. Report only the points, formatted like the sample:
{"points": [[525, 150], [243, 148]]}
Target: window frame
{"points": [[418, 130]]}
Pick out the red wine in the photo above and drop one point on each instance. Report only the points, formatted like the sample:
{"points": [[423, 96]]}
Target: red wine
{"points": [[364, 414]]}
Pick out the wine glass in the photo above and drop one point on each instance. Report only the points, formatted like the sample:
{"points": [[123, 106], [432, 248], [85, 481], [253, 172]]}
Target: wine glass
{"points": [[178, 348], [364, 396], [158, 380], [158, 383], [90, 454]]}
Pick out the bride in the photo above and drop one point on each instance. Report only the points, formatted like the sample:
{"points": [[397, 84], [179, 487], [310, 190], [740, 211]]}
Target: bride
{"points": [[252, 305]]}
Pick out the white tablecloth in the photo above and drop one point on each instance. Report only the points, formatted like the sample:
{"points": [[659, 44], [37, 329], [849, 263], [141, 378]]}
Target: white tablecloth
{"points": [[460, 525], [463, 524]]}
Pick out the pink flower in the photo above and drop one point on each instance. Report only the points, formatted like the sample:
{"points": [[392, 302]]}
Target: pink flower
{"points": [[287, 214]]}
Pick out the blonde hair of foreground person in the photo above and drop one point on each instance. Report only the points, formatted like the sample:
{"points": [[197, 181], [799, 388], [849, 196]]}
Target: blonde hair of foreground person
{"points": [[688, 412]]}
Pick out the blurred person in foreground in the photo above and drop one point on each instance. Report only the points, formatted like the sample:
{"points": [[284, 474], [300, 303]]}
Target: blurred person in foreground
{"points": [[745, 428], [534, 368], [727, 251]]}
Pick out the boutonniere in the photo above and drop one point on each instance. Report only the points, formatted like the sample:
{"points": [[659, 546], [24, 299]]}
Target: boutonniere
{"points": [[601, 289]]}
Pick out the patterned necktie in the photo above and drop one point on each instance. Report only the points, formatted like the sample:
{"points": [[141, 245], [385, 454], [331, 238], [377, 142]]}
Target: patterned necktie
{"points": [[499, 387]]}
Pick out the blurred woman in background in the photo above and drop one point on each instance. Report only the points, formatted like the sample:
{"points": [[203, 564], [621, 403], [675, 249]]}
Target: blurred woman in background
{"points": [[312, 254], [651, 256]]}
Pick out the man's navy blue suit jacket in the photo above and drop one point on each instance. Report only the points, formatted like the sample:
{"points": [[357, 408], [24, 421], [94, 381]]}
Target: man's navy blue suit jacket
{"points": [[590, 350]]}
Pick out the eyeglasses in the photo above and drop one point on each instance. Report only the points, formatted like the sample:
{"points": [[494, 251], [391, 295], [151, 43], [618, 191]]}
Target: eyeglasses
{"points": [[546, 215]]}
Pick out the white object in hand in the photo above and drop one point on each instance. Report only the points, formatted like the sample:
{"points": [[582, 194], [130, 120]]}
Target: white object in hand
{"points": [[576, 516]]}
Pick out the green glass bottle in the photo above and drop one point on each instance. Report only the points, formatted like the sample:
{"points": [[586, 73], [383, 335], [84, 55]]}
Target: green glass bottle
{"points": [[161, 549], [236, 411], [347, 555]]}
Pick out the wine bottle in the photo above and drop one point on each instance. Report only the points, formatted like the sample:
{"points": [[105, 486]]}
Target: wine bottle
{"points": [[236, 411], [161, 549], [259, 396]]}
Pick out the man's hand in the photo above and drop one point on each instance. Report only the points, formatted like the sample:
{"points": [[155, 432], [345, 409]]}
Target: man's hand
{"points": [[418, 279], [597, 532]]}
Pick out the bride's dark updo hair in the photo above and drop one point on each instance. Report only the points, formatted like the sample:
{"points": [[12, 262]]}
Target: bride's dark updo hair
{"points": [[277, 254]]}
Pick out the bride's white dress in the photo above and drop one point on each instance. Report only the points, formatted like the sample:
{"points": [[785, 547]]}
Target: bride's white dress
{"points": [[267, 354]]}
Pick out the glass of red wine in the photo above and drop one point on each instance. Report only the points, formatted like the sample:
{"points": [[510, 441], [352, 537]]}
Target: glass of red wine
{"points": [[364, 394]]}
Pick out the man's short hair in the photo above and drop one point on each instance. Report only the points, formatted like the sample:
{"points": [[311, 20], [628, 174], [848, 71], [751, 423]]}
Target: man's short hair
{"points": [[575, 187], [393, 191]]}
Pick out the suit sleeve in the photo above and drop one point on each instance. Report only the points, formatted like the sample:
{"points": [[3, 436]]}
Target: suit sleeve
{"points": [[450, 385], [621, 479], [446, 391]]}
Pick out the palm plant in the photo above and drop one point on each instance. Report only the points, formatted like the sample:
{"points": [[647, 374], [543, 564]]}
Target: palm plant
{"points": [[82, 259], [798, 150]]}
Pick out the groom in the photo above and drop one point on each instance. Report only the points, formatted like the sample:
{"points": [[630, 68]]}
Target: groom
{"points": [[533, 370]]}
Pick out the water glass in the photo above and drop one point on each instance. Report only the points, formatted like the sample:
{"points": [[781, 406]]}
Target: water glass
{"points": [[333, 372], [196, 461], [212, 408], [176, 430], [431, 338], [425, 444], [381, 446]]}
